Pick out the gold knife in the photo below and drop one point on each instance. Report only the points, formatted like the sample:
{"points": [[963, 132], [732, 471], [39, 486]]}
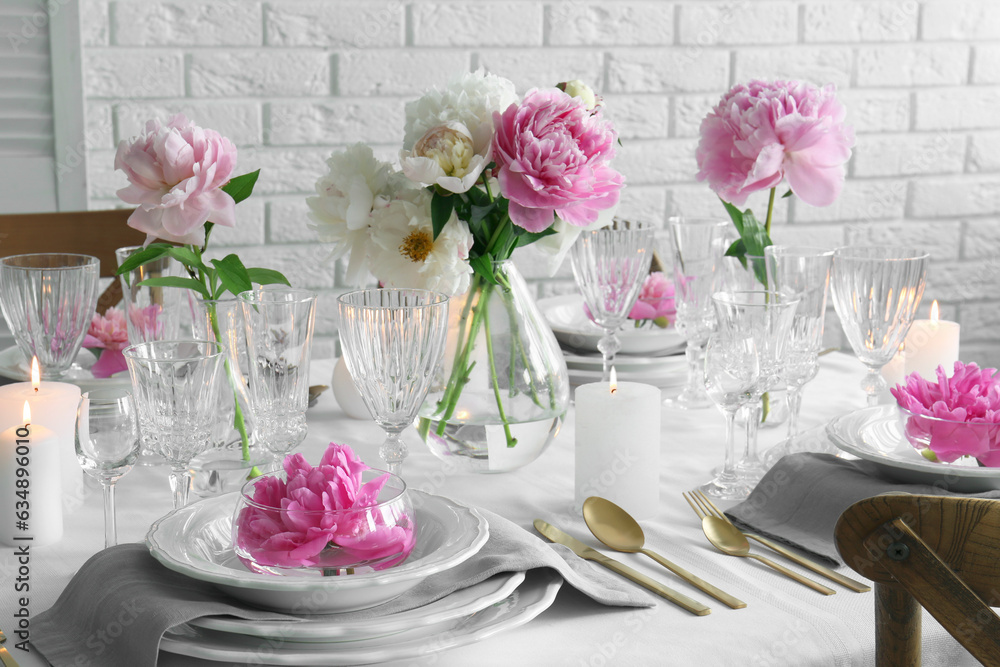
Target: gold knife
{"points": [[822, 570], [589, 553], [5, 656]]}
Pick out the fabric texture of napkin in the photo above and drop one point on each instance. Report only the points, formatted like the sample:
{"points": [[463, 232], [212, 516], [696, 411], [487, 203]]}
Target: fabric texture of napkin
{"points": [[117, 607], [800, 499]]}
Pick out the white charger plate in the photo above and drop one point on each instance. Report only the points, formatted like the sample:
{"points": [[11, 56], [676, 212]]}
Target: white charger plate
{"points": [[335, 627], [875, 434], [196, 541], [529, 600], [572, 327], [14, 367]]}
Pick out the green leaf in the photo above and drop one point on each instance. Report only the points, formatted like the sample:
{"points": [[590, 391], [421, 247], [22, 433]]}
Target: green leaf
{"points": [[232, 274], [187, 257], [483, 266], [477, 213], [787, 194], [441, 209], [241, 187], [140, 257], [478, 197], [527, 238], [267, 277], [177, 281], [736, 215]]}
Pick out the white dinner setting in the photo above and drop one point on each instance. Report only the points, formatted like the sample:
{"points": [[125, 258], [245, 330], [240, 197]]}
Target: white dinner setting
{"points": [[524, 420]]}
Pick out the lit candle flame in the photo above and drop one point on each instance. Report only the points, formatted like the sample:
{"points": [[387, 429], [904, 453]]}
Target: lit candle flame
{"points": [[613, 380], [36, 376], [935, 311], [26, 413]]}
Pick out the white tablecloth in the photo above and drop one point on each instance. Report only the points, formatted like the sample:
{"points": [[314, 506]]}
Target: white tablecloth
{"points": [[783, 624]]}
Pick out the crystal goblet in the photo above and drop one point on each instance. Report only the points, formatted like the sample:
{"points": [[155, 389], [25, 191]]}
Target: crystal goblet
{"points": [[876, 292], [394, 342], [152, 313], [175, 385], [279, 331], [695, 245], [48, 300], [107, 444], [609, 265]]}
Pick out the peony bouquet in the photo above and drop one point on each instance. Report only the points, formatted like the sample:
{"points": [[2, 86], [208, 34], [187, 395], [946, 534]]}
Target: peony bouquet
{"points": [[764, 132], [481, 173], [181, 181], [953, 417], [324, 517]]}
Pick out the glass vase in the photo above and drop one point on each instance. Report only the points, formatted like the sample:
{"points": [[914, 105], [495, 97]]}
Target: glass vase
{"points": [[504, 390]]}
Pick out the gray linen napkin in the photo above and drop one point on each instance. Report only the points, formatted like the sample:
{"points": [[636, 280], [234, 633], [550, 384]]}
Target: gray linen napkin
{"points": [[800, 499], [117, 607]]}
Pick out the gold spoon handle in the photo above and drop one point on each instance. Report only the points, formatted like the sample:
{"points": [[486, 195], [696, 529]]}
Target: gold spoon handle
{"points": [[679, 599], [821, 570], [697, 582], [793, 575]]}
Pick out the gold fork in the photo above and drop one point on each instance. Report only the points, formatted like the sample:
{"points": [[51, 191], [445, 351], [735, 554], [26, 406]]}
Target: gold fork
{"points": [[5, 657], [821, 570], [727, 539]]}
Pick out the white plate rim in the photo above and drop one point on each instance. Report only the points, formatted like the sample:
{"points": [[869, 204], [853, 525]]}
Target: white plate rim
{"points": [[544, 584], [10, 368], [329, 627], [164, 553], [648, 339], [836, 430]]}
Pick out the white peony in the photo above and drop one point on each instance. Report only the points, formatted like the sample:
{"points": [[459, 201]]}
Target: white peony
{"points": [[405, 253], [341, 213], [448, 137]]}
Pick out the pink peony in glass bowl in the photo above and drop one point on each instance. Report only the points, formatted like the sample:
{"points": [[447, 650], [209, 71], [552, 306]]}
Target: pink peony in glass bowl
{"points": [[340, 517], [948, 440]]}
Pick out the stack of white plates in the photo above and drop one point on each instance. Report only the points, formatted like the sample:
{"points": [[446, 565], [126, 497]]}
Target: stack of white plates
{"points": [[14, 367], [649, 354], [195, 541]]}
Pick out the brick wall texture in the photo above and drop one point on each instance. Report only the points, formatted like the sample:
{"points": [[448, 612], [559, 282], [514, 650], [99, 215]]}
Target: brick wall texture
{"points": [[290, 81]]}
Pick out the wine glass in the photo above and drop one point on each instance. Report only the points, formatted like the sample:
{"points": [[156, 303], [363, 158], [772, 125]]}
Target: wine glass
{"points": [[394, 342], [766, 316], [876, 292], [695, 244], [732, 369], [609, 265], [176, 385], [107, 444]]}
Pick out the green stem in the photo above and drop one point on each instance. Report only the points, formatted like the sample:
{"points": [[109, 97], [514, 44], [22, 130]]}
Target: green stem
{"points": [[511, 440], [460, 369], [770, 212]]}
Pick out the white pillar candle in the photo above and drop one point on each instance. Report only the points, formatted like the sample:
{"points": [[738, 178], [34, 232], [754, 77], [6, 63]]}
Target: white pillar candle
{"points": [[53, 405], [618, 445], [30, 485], [932, 343]]}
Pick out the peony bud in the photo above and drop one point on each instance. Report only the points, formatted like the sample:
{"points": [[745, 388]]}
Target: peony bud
{"points": [[579, 89]]}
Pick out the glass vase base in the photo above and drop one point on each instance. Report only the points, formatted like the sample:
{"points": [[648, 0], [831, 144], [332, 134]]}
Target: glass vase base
{"points": [[482, 448], [222, 470]]}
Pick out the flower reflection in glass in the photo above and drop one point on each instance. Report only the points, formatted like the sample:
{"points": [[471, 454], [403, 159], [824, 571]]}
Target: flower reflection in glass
{"points": [[338, 515]]}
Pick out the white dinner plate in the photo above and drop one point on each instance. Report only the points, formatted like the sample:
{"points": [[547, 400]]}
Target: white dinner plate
{"points": [[876, 434], [572, 328], [530, 599], [196, 541], [14, 367], [334, 627]]}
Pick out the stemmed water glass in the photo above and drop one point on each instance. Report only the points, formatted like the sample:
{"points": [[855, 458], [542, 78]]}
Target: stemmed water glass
{"points": [[394, 342], [801, 272], [107, 444], [609, 265], [766, 316], [732, 369], [176, 385], [876, 292], [696, 248]]}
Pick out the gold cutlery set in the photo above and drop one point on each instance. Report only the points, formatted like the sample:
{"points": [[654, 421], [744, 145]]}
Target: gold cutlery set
{"points": [[615, 528]]}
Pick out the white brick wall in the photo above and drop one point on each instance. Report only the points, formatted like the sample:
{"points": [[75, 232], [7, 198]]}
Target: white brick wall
{"points": [[290, 80]]}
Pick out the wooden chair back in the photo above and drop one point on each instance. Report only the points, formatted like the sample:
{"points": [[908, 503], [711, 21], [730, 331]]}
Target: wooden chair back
{"points": [[95, 233], [942, 553]]}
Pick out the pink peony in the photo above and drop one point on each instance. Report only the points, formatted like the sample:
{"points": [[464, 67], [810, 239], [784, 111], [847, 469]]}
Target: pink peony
{"points": [[176, 172], [325, 519], [552, 154], [148, 321], [110, 334], [656, 299], [764, 131], [956, 416]]}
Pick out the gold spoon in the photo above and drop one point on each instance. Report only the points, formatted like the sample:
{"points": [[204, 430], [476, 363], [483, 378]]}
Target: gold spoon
{"points": [[616, 528], [728, 539]]}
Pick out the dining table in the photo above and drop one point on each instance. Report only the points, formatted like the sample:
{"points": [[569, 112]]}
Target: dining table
{"points": [[784, 623]]}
